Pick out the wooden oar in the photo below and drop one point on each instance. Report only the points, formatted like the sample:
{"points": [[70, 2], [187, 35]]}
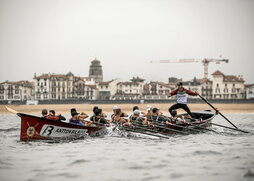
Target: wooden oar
{"points": [[185, 127], [156, 125], [207, 129], [149, 129], [150, 134], [216, 110], [11, 110], [230, 128]]}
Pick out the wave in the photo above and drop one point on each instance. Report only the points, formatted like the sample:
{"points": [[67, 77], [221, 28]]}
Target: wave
{"points": [[249, 174], [207, 152], [9, 129], [79, 161]]}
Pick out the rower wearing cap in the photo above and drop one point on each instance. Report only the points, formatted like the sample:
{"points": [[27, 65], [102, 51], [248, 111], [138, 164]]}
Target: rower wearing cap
{"points": [[75, 119], [118, 111], [137, 117], [182, 95], [142, 114], [96, 107], [97, 118], [149, 112], [118, 115]]}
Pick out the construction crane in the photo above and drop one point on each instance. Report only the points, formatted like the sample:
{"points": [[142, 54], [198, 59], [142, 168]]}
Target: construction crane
{"points": [[205, 62]]}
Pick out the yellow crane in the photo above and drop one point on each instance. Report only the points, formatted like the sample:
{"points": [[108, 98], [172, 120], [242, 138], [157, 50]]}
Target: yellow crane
{"points": [[205, 62]]}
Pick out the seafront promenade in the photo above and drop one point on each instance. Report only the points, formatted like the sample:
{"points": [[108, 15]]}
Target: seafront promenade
{"points": [[107, 108]]}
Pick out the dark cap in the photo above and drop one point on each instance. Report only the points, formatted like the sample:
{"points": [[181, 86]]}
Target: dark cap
{"points": [[179, 84], [74, 112], [97, 112], [52, 111], [95, 107], [155, 110]]}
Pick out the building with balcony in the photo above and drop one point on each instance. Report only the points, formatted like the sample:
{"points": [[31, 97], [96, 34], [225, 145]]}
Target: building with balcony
{"points": [[16, 91], [227, 86]]}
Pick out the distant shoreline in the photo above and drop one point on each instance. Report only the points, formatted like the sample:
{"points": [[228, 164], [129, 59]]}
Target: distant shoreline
{"points": [[107, 108]]}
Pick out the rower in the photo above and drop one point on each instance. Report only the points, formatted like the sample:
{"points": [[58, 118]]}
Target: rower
{"points": [[137, 117], [52, 115], [97, 118], [96, 107], [175, 119], [142, 114], [82, 117], [118, 116], [74, 119], [157, 116], [149, 112], [118, 111], [44, 113], [182, 95]]}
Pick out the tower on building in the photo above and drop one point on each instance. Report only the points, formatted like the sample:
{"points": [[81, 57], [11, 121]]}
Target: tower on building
{"points": [[95, 71]]}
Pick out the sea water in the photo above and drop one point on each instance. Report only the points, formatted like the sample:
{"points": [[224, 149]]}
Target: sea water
{"points": [[228, 155]]}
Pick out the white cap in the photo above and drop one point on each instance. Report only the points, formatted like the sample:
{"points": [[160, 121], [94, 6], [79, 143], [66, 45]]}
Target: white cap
{"points": [[148, 107], [115, 107], [136, 112]]}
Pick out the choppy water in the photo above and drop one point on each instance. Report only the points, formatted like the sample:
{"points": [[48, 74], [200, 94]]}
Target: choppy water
{"points": [[206, 156]]}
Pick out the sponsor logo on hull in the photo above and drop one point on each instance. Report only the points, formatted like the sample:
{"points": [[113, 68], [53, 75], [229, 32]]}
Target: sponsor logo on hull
{"points": [[57, 131]]}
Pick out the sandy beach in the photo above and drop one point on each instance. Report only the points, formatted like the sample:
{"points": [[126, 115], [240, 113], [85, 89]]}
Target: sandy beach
{"points": [[107, 108]]}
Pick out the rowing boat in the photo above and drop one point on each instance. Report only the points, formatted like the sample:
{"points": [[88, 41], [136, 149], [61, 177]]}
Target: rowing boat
{"points": [[38, 128]]}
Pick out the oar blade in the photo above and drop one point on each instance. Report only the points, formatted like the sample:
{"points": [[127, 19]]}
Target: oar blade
{"points": [[11, 110]]}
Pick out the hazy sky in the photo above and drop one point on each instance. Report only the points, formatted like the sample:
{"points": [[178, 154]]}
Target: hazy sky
{"points": [[59, 36]]}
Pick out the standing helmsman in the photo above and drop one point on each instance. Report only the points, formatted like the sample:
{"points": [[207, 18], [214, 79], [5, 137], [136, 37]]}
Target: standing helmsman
{"points": [[181, 95]]}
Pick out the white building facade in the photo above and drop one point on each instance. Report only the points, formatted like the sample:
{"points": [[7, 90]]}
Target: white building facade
{"points": [[227, 86], [157, 90], [16, 91], [107, 89], [250, 91]]}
